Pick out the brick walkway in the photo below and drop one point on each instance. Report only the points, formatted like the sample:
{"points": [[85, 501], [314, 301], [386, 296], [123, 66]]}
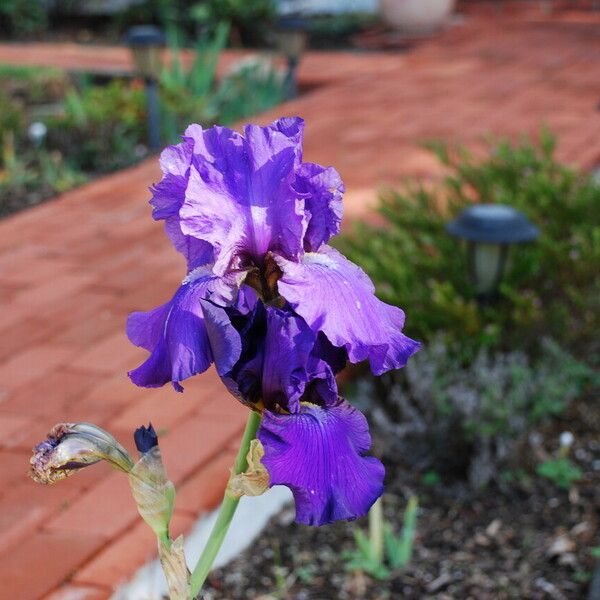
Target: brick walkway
{"points": [[72, 269]]}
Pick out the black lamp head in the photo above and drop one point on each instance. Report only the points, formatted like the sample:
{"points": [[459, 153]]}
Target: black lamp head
{"points": [[493, 224], [141, 36]]}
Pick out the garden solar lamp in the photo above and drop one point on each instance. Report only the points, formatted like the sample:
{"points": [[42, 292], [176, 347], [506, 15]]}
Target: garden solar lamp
{"points": [[489, 230], [146, 43], [292, 36]]}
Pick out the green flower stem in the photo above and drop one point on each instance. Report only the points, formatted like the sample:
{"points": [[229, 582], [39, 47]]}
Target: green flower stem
{"points": [[228, 507]]}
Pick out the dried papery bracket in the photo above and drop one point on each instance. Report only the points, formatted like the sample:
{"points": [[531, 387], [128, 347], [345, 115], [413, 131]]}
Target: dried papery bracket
{"points": [[172, 560], [254, 481]]}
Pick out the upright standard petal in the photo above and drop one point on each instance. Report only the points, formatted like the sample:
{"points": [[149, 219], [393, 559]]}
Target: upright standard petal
{"points": [[335, 296], [168, 196], [175, 335], [322, 190], [319, 454], [239, 196]]}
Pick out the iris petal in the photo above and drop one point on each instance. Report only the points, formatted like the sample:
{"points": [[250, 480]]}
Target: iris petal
{"points": [[335, 296], [272, 355], [168, 196], [239, 196], [322, 190], [289, 362], [175, 335], [319, 454]]}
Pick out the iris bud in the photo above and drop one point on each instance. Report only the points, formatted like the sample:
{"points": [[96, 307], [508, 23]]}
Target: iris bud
{"points": [[153, 493], [73, 446]]}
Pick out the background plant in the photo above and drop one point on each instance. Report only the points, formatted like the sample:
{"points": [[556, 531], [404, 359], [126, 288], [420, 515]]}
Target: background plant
{"points": [[33, 85], [382, 551], [96, 127], [249, 21], [22, 17], [185, 94], [196, 94], [104, 123], [251, 87], [466, 420], [551, 287], [487, 374], [563, 472]]}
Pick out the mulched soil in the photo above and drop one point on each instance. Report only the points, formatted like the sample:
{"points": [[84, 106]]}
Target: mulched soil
{"points": [[526, 540]]}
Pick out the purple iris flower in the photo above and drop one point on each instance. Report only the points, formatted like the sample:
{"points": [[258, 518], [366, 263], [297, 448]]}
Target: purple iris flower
{"points": [[275, 308]]}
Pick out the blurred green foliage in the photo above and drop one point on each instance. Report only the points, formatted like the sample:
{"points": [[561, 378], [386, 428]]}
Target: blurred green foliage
{"points": [[28, 177], [96, 128], [29, 174], [186, 94], [563, 472], [380, 555], [250, 20], [197, 95], [104, 123], [22, 17], [251, 87], [12, 116], [33, 85], [552, 286]]}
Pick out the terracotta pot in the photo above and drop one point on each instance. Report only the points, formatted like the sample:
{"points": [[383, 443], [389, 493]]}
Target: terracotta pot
{"points": [[416, 17]]}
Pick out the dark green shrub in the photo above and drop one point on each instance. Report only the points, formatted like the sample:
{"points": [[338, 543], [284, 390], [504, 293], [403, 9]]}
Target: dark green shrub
{"points": [[551, 288], [484, 377]]}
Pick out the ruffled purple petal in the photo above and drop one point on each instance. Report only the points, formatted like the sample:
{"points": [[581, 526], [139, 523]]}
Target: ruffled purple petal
{"points": [[322, 190], [319, 454], [239, 197], [175, 335], [335, 296], [168, 196]]}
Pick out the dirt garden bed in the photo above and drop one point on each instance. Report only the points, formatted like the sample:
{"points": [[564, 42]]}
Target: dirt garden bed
{"points": [[521, 540]]}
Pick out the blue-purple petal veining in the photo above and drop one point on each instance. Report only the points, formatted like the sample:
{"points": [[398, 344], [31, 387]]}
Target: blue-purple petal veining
{"points": [[319, 453]]}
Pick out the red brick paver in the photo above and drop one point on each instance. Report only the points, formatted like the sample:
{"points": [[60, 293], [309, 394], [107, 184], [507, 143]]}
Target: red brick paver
{"points": [[71, 270]]}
